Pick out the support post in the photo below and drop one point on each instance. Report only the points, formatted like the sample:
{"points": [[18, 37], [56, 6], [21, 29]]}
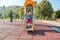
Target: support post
{"points": [[24, 14]]}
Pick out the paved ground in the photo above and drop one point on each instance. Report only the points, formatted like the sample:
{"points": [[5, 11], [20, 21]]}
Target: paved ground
{"points": [[15, 31]]}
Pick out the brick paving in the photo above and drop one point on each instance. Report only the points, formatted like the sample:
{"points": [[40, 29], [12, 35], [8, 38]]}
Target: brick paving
{"points": [[15, 32]]}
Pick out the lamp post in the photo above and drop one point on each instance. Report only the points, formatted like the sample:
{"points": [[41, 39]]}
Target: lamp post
{"points": [[3, 12]]}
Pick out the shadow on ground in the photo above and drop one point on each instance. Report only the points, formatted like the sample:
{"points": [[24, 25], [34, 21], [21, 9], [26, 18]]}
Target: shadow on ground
{"points": [[40, 32], [47, 25]]}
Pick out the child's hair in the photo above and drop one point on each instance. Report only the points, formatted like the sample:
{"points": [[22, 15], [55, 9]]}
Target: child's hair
{"points": [[29, 10]]}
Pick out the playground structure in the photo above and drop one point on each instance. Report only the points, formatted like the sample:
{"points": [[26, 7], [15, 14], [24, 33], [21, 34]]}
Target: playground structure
{"points": [[29, 5]]}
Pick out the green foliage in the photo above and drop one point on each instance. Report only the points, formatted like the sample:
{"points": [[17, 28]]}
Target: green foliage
{"points": [[58, 14], [6, 11], [22, 12], [37, 12], [44, 9]]}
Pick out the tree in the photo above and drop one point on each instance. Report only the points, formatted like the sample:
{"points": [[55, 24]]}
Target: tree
{"points": [[57, 14], [35, 2], [18, 15], [37, 16], [22, 12], [37, 12], [45, 9]]}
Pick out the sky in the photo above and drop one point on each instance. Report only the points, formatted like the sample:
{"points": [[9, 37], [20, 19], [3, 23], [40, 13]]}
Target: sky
{"points": [[55, 3]]}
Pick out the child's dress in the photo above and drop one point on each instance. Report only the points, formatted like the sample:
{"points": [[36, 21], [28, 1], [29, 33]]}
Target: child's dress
{"points": [[29, 20]]}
